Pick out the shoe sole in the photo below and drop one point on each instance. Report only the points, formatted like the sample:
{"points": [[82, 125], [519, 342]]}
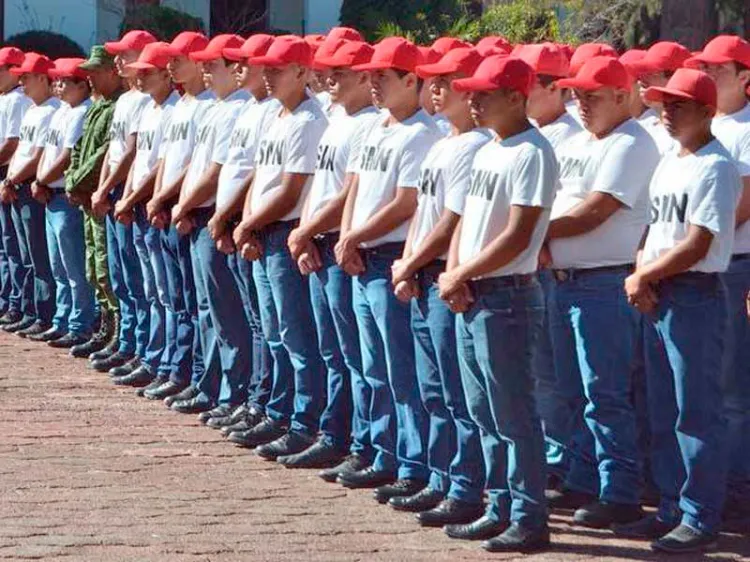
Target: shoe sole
{"points": [[704, 548], [437, 524]]}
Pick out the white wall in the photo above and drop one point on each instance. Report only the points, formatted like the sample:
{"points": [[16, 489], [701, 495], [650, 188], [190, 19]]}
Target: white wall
{"points": [[74, 18], [321, 15]]}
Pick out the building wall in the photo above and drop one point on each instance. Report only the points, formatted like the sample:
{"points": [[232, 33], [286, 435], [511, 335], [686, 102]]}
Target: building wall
{"points": [[321, 15], [75, 18]]}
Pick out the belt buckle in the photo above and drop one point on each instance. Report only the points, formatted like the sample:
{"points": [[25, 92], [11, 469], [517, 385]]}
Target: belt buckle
{"points": [[561, 275]]}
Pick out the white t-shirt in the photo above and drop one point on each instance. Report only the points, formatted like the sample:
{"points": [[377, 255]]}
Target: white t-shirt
{"points": [[338, 154], [154, 125], [290, 146], [33, 132], [443, 124], [391, 158], [561, 130], [521, 170], [654, 127], [250, 126], [179, 142], [734, 133], [701, 189], [212, 139], [13, 106], [65, 130], [444, 180], [125, 121], [571, 106], [621, 165]]}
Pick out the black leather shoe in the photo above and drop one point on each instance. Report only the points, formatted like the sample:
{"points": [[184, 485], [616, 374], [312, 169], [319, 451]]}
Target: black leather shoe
{"points": [[142, 376], [219, 412], [22, 324], [600, 515], [109, 349], [425, 499], [48, 335], [185, 394], [67, 341], [479, 530], [193, 406], [168, 388], [352, 463], [320, 454], [518, 538], [648, 528], [568, 499], [288, 444], [252, 418], [155, 383], [125, 368], [235, 416], [450, 511], [115, 360], [401, 487], [88, 348], [10, 317], [684, 540], [35, 329], [265, 432], [368, 477]]}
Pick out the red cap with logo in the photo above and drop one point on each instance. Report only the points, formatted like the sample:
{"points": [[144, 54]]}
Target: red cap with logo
{"points": [[11, 56], [185, 43], [315, 40], [588, 51], [546, 58], [493, 45], [429, 56], [465, 60], [688, 84], [445, 44], [630, 58], [350, 53], [721, 50], [152, 56], [598, 73], [291, 50], [132, 41], [344, 33], [325, 51], [497, 72], [215, 48], [256, 46], [68, 68], [33, 63], [664, 56], [395, 53]]}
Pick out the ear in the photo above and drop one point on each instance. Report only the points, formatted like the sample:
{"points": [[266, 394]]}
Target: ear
{"points": [[744, 76]]}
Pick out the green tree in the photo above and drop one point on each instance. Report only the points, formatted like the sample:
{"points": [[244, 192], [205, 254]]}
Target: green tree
{"points": [[54, 45], [521, 21], [163, 22]]}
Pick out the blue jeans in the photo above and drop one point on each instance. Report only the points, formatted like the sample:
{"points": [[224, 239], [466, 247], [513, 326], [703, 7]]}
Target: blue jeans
{"points": [[496, 343], [261, 371], [39, 286], [399, 423], [454, 449], [346, 412], [127, 283], [592, 317], [737, 382], [688, 430], [187, 355], [16, 268], [67, 256], [298, 391]]}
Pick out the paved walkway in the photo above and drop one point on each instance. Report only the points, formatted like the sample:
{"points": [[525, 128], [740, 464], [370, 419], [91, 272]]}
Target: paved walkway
{"points": [[89, 472]]}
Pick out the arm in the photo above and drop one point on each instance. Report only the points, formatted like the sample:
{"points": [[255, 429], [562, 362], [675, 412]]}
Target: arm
{"points": [[144, 191], [205, 189], [588, 215], [743, 208], [348, 211], [279, 204], [218, 223], [435, 245], [28, 171], [57, 169], [7, 149], [121, 171]]}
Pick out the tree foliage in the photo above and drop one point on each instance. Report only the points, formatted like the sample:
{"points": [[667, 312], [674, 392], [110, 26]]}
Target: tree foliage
{"points": [[521, 21], [163, 22], [54, 45]]}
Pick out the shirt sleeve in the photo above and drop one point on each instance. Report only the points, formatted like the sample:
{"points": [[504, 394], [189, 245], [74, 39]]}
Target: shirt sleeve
{"points": [[712, 205], [413, 154], [135, 119], [626, 169], [534, 179], [743, 153], [15, 118], [458, 177], [302, 146], [74, 129]]}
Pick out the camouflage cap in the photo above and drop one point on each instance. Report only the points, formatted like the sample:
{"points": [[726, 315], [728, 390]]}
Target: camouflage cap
{"points": [[99, 57]]}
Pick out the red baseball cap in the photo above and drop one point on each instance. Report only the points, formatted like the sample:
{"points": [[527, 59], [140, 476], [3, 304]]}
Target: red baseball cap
{"points": [[630, 58], [67, 68], [33, 63], [11, 56], [689, 84], [428, 55], [587, 51], [185, 43], [344, 33], [496, 72], [721, 50], [292, 50], [133, 40], [445, 44], [325, 51], [152, 56], [349, 54], [256, 46], [396, 53], [315, 40], [493, 45], [215, 48], [465, 60], [664, 56], [545, 58], [597, 73]]}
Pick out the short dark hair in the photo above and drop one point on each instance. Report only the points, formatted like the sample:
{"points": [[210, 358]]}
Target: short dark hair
{"points": [[401, 73], [546, 79]]}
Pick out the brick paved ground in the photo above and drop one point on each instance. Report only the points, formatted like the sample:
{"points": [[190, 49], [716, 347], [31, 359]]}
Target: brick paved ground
{"points": [[92, 473]]}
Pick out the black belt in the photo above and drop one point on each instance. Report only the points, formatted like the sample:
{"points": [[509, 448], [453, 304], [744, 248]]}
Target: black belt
{"points": [[490, 284], [570, 274], [388, 247]]}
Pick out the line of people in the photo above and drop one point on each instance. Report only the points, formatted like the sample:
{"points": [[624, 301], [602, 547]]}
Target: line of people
{"points": [[483, 280]]}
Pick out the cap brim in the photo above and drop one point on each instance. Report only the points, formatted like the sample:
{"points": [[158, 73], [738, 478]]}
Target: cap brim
{"points": [[579, 84], [93, 65], [696, 61], [435, 69], [235, 54], [267, 61], [370, 66], [657, 94], [474, 85], [137, 65], [171, 52], [114, 47], [204, 56], [18, 71]]}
